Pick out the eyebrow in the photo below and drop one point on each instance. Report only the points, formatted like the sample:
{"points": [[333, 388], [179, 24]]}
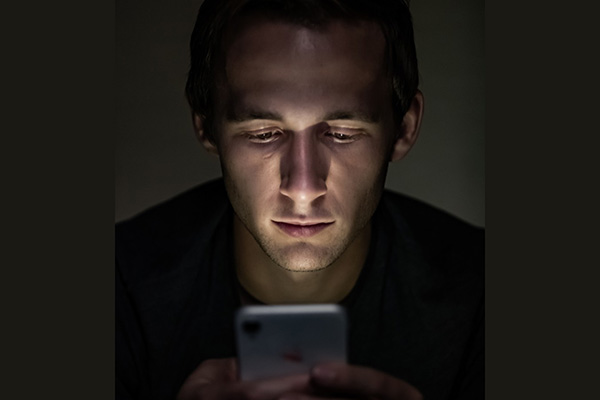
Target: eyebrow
{"points": [[249, 115], [352, 115]]}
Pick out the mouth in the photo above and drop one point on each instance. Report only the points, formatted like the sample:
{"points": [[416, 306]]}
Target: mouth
{"points": [[303, 229]]}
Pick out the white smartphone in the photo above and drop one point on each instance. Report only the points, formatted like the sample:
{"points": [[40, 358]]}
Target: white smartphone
{"points": [[281, 340]]}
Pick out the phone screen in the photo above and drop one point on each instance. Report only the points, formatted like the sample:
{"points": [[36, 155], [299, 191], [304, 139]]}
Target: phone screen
{"points": [[288, 339]]}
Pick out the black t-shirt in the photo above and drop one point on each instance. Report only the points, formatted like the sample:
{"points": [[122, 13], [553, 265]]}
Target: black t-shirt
{"points": [[416, 311]]}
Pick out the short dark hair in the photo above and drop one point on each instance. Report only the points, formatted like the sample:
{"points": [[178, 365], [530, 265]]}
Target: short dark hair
{"points": [[393, 16]]}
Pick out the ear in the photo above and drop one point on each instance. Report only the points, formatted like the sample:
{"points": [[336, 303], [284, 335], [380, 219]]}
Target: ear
{"points": [[199, 124], [409, 130]]}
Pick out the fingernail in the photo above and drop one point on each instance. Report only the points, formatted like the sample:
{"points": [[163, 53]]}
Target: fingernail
{"points": [[323, 373]]}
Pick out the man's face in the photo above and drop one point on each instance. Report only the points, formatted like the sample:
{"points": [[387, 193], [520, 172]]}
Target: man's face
{"points": [[304, 129]]}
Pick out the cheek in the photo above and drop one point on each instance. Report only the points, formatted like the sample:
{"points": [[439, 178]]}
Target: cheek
{"points": [[358, 180], [250, 179], [362, 166]]}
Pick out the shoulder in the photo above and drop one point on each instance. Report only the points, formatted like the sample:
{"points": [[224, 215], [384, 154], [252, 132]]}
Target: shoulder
{"points": [[426, 219], [443, 239], [161, 236], [181, 212]]}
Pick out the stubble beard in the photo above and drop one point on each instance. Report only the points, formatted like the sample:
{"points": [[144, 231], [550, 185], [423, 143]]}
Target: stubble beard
{"points": [[301, 256]]}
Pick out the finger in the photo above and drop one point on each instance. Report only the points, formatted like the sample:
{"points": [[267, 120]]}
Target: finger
{"points": [[302, 396], [363, 381], [299, 396], [223, 370], [217, 370], [251, 390], [262, 389]]}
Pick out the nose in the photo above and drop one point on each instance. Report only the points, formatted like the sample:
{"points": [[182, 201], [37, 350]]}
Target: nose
{"points": [[304, 169]]}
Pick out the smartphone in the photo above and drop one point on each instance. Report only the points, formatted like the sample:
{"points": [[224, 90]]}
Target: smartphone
{"points": [[281, 340]]}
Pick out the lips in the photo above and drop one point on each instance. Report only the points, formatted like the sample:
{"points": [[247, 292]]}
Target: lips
{"points": [[302, 229]]}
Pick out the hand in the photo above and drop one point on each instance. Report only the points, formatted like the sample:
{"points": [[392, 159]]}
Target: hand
{"points": [[349, 381], [217, 379]]}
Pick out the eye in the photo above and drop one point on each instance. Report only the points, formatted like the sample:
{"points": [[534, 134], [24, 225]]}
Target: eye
{"points": [[264, 137], [339, 137]]}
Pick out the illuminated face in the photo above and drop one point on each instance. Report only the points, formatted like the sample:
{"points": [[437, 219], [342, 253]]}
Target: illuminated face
{"points": [[304, 133]]}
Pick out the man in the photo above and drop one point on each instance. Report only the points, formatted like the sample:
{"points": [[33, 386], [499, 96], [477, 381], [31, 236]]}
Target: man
{"points": [[305, 103]]}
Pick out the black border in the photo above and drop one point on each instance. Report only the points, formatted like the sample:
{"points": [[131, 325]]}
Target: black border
{"points": [[58, 198], [538, 306]]}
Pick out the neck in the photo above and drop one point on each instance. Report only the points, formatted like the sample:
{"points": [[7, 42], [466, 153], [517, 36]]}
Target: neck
{"points": [[271, 284]]}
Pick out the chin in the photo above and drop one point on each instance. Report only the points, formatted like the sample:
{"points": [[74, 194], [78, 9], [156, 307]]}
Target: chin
{"points": [[304, 259]]}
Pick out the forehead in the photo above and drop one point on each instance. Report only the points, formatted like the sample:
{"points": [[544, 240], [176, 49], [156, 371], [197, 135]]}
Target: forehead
{"points": [[278, 62], [355, 42]]}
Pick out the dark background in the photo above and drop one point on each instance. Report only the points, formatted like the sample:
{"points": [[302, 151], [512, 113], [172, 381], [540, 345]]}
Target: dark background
{"points": [[158, 156]]}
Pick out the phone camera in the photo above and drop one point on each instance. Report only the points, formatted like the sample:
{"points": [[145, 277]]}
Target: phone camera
{"points": [[251, 327]]}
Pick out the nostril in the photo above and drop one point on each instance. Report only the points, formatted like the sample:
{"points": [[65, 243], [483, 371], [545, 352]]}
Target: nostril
{"points": [[303, 188]]}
